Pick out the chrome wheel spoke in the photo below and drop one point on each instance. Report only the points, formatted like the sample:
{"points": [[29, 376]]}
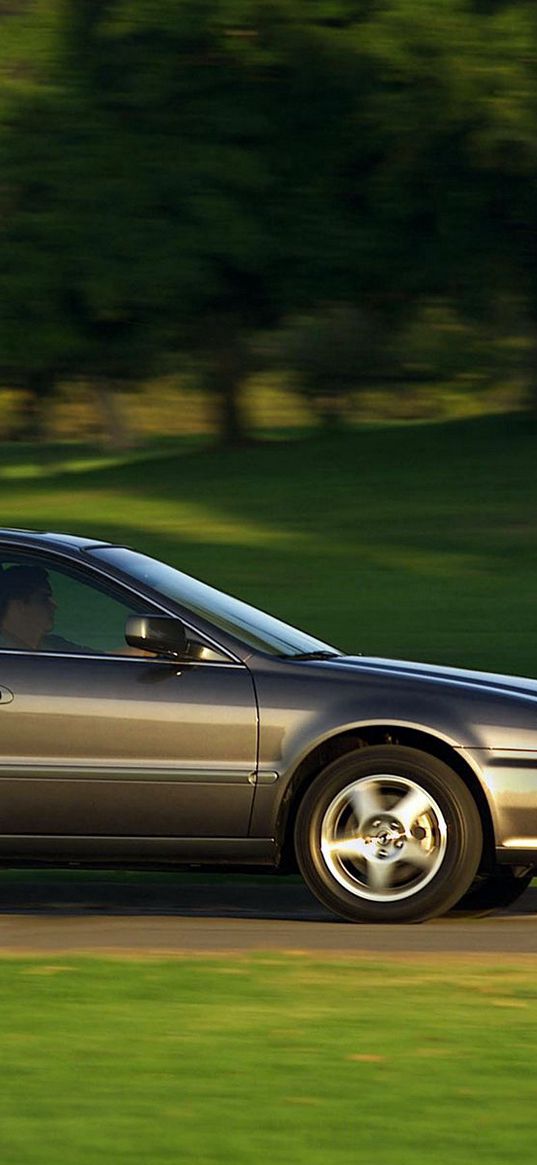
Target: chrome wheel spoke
{"points": [[413, 805], [345, 848], [379, 874], [418, 856], [366, 802]]}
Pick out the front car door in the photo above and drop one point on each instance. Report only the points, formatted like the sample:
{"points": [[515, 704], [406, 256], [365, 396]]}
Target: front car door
{"points": [[119, 749]]}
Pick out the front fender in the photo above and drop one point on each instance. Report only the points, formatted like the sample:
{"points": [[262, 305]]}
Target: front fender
{"points": [[295, 720]]}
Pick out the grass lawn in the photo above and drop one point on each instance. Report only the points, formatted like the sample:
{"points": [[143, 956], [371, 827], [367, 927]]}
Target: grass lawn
{"points": [[267, 1059], [416, 541], [413, 541]]}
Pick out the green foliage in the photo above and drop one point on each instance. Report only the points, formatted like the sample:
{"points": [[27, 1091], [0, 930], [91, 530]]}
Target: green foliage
{"points": [[454, 112], [176, 177], [152, 185], [342, 350], [333, 353], [29, 31], [439, 344]]}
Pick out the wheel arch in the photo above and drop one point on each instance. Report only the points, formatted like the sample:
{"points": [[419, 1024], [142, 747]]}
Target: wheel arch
{"points": [[365, 736]]}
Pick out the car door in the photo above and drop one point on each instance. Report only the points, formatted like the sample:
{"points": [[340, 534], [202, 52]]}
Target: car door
{"points": [[99, 744]]}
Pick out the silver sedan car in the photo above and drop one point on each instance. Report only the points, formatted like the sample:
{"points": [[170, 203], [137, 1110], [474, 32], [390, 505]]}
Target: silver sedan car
{"points": [[147, 718]]}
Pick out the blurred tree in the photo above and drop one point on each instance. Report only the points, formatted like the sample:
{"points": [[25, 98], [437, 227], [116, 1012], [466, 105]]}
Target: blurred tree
{"points": [[176, 177], [454, 111], [341, 350], [332, 354], [225, 110], [179, 202], [29, 338]]}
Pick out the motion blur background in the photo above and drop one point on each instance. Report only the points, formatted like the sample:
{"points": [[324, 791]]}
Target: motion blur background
{"points": [[268, 303], [268, 310]]}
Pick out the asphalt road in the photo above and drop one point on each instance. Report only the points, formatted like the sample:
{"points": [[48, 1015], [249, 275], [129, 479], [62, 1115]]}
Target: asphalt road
{"points": [[223, 916]]}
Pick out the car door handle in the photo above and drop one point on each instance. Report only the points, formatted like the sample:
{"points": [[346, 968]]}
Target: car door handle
{"points": [[5, 696]]}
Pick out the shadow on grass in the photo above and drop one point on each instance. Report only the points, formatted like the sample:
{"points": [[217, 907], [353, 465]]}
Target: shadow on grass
{"points": [[407, 541]]}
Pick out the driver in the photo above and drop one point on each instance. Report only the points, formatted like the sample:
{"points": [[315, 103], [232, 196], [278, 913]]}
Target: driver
{"points": [[27, 611]]}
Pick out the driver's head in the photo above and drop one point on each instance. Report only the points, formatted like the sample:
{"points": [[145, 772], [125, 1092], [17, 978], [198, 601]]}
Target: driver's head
{"points": [[27, 604]]}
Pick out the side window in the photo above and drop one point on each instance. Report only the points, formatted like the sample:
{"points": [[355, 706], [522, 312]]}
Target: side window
{"points": [[88, 617], [44, 609]]}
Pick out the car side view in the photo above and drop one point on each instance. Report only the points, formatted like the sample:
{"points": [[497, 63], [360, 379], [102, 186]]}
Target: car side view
{"points": [[147, 719]]}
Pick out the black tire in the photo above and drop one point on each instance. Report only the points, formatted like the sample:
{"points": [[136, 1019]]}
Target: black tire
{"points": [[494, 892], [388, 834]]}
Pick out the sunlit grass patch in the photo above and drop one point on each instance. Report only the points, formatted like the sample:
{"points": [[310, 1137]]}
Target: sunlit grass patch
{"points": [[267, 1058], [411, 542]]}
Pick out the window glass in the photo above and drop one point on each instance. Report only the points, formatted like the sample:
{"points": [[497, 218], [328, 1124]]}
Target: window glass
{"points": [[44, 609], [255, 628]]}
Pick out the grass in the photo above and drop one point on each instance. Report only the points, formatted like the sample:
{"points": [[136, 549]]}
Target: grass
{"points": [[413, 541], [408, 541], [271, 1058]]}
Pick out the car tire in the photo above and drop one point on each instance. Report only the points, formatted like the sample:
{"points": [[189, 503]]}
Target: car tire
{"points": [[388, 834], [493, 892]]}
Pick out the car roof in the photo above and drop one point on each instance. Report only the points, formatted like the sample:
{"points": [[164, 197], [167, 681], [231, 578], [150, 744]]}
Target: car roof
{"points": [[47, 538]]}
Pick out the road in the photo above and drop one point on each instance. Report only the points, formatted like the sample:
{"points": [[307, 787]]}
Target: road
{"points": [[227, 916]]}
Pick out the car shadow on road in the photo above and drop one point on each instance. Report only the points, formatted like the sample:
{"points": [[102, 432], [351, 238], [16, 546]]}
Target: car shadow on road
{"points": [[221, 897], [286, 899]]}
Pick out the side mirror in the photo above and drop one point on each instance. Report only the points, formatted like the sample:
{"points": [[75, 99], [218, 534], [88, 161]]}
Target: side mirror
{"points": [[158, 633]]}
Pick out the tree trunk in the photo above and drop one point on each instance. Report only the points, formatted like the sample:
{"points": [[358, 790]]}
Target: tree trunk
{"points": [[531, 395], [228, 370], [331, 410], [34, 413], [115, 428], [232, 430]]}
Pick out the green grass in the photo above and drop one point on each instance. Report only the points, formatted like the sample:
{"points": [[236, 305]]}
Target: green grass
{"points": [[409, 541], [414, 541], [266, 1059]]}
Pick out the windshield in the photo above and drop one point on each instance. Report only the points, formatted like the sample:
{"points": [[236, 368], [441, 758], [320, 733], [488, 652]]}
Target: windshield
{"points": [[256, 629]]}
